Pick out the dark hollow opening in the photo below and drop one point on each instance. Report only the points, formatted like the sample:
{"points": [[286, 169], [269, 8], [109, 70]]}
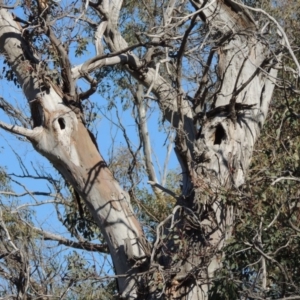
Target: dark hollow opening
{"points": [[61, 123], [220, 134]]}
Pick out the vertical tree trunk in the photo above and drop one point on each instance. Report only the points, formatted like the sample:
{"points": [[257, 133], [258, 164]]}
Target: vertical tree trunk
{"points": [[221, 151]]}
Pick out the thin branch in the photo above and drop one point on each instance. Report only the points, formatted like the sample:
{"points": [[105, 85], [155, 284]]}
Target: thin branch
{"points": [[282, 247], [84, 19], [270, 259], [279, 28], [83, 11], [165, 190], [93, 87], [86, 67], [10, 7], [160, 225], [133, 153], [6, 232], [40, 177], [294, 226], [186, 18], [167, 159], [144, 134], [13, 112], [65, 64], [24, 194], [48, 236], [285, 178], [182, 50], [37, 204], [274, 219]]}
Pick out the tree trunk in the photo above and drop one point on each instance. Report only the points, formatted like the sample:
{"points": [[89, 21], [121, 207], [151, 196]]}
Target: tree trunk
{"points": [[60, 135], [216, 159]]}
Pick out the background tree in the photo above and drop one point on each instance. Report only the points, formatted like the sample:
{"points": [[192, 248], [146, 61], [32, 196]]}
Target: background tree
{"points": [[211, 68]]}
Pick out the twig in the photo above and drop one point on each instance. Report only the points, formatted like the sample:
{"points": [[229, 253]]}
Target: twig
{"points": [[285, 178], [294, 227], [270, 259], [169, 192], [10, 7], [274, 219], [160, 225], [6, 232]]}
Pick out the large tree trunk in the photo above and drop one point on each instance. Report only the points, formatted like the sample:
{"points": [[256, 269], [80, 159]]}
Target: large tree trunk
{"points": [[216, 159], [214, 154], [60, 135]]}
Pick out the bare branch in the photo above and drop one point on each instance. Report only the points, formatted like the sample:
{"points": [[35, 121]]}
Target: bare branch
{"points": [[282, 269], [98, 37], [144, 134], [165, 190], [7, 232], [182, 50], [120, 56], [48, 236], [64, 62], [91, 90], [285, 178], [279, 28], [165, 167], [23, 194], [32, 135], [10, 7], [13, 112], [162, 89], [38, 204]]}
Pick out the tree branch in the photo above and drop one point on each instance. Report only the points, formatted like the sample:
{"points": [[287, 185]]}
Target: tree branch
{"points": [[10, 7], [144, 134], [167, 191], [48, 236], [31, 134], [13, 112], [65, 64], [285, 178], [162, 89], [279, 28]]}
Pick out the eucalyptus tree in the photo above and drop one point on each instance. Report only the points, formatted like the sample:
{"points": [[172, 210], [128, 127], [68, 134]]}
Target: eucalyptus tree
{"points": [[211, 68]]}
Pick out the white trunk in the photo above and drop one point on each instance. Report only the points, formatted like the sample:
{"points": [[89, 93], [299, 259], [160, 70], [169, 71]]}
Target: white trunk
{"points": [[224, 148]]}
